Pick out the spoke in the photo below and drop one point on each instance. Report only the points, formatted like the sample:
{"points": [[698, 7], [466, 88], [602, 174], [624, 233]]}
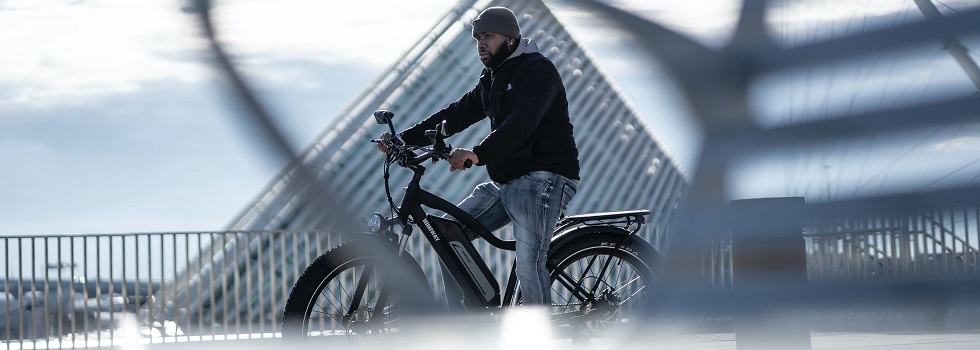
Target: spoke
{"points": [[605, 282], [332, 303], [620, 288], [575, 287], [566, 302], [383, 293], [589, 275], [602, 273], [585, 273], [638, 291], [362, 283], [343, 288]]}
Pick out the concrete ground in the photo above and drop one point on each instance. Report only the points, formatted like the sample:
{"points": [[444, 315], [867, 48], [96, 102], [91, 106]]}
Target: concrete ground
{"points": [[863, 341], [961, 340]]}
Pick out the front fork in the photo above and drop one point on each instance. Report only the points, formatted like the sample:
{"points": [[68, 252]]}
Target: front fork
{"points": [[403, 239], [360, 317]]}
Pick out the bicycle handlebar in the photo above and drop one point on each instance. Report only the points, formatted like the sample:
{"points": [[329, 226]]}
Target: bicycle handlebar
{"points": [[406, 156]]}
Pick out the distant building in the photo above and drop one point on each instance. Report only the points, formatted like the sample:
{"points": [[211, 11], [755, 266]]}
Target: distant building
{"points": [[623, 166]]}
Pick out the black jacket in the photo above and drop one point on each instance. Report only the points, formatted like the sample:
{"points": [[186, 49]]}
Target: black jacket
{"points": [[529, 127]]}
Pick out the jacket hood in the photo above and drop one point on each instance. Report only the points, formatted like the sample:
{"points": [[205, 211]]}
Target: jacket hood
{"points": [[526, 45]]}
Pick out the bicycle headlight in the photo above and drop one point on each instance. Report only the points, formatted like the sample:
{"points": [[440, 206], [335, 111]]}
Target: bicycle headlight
{"points": [[377, 222]]}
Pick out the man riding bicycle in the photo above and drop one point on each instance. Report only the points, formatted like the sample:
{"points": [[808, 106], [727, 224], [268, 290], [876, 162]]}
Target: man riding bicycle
{"points": [[530, 153]]}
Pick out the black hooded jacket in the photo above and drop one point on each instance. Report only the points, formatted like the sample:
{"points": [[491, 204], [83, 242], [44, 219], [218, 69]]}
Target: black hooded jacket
{"points": [[529, 126]]}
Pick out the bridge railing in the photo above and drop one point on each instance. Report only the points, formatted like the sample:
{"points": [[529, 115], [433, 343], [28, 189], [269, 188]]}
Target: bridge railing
{"points": [[79, 290], [915, 246]]}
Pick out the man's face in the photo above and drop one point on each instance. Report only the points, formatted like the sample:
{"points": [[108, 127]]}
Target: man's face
{"points": [[493, 48]]}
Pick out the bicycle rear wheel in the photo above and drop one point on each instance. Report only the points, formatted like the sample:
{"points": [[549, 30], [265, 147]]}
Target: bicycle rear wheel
{"points": [[597, 286], [354, 293]]}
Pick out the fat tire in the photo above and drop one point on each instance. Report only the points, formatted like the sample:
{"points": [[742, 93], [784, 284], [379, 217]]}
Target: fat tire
{"points": [[379, 253], [642, 257]]}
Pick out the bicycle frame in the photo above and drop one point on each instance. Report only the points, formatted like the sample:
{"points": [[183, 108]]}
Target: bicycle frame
{"points": [[466, 267], [455, 250]]}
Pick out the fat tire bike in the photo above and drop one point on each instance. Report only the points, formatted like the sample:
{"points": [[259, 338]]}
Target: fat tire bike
{"points": [[363, 291]]}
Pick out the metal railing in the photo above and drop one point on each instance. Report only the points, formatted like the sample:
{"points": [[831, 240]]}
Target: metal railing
{"points": [[80, 290], [921, 245], [917, 246]]}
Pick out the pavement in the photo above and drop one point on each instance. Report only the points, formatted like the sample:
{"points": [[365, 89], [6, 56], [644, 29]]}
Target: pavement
{"points": [[452, 336], [864, 341], [960, 340]]}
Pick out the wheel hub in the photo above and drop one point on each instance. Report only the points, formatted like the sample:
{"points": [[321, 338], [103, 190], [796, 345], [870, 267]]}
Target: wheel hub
{"points": [[604, 309], [359, 320]]}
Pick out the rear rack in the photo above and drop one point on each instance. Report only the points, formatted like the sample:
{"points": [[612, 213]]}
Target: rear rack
{"points": [[623, 219]]}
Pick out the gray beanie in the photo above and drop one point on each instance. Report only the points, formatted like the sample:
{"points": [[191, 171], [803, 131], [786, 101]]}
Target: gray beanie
{"points": [[499, 20]]}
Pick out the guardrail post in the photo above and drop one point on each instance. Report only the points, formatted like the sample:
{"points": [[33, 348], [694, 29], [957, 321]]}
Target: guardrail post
{"points": [[769, 253]]}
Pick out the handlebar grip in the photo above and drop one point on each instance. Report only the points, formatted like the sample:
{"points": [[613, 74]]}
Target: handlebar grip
{"points": [[467, 164]]}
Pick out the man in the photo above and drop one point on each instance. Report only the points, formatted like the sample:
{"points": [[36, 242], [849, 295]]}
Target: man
{"points": [[530, 153]]}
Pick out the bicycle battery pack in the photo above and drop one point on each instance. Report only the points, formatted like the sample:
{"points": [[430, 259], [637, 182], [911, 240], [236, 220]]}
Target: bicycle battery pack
{"points": [[461, 249]]}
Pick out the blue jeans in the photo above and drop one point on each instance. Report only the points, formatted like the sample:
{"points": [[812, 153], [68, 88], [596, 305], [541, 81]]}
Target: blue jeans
{"points": [[533, 203]]}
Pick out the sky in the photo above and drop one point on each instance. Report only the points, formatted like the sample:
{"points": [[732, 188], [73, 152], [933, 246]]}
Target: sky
{"points": [[113, 120]]}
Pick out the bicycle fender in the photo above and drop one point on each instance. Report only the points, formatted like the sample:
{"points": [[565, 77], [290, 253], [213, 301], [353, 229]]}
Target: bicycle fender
{"points": [[646, 251], [413, 276]]}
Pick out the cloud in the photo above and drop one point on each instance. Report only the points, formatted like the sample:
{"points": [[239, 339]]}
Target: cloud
{"points": [[62, 54], [371, 32], [962, 143]]}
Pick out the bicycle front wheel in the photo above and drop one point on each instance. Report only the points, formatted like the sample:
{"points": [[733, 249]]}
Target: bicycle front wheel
{"points": [[353, 293], [598, 286]]}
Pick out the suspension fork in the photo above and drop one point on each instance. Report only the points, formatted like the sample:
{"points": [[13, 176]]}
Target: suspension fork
{"points": [[363, 281]]}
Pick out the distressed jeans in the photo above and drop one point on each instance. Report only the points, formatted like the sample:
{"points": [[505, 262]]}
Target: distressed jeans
{"points": [[533, 203]]}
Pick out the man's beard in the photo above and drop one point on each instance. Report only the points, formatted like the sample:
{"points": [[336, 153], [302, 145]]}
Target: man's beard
{"points": [[498, 57]]}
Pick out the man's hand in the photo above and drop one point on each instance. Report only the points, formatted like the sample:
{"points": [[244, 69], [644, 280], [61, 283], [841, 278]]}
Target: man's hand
{"points": [[459, 157], [381, 145]]}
